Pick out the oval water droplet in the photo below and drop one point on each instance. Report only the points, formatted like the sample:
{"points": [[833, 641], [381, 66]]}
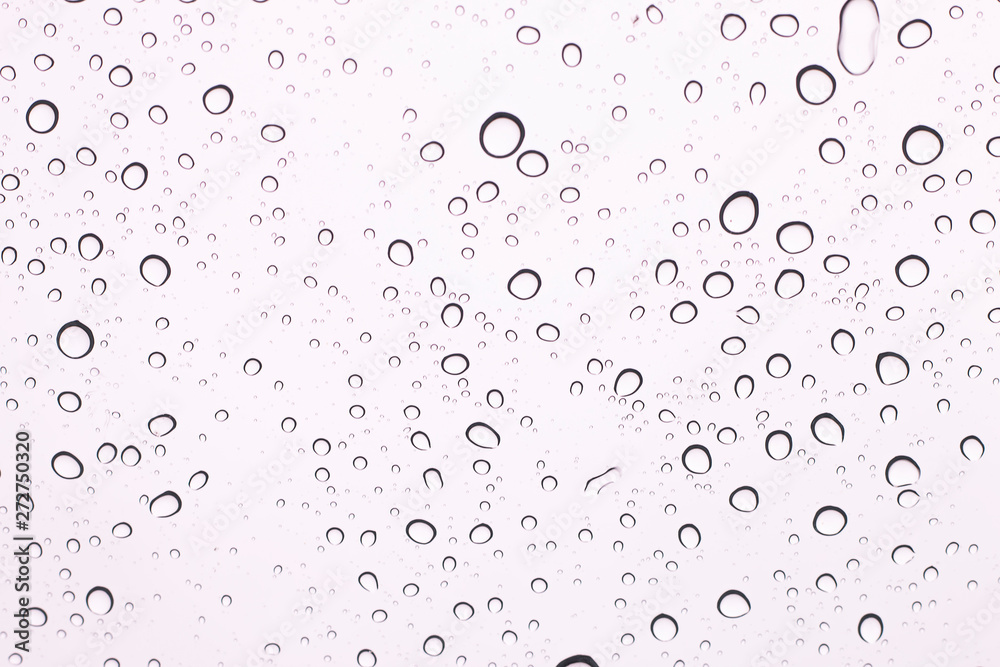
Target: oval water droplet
{"points": [[717, 284], [744, 499], [198, 480], [778, 445], [870, 628], [161, 425], [628, 382], [689, 536], [455, 364], [784, 25], [482, 435], [666, 272], [684, 312], [67, 466], [982, 222], [421, 531], [794, 237], [572, 55], [452, 315], [827, 429], [914, 34], [789, 284], [842, 342], [524, 284], [165, 505], [758, 91], [501, 135], [733, 26], [857, 43], [692, 91], [217, 99], [400, 253], [738, 214], [585, 277], [481, 534], [972, 448], [90, 247]]}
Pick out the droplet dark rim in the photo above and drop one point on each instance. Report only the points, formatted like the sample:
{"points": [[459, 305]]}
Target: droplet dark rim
{"points": [[774, 434], [468, 434], [72, 456], [498, 116], [826, 415], [204, 99], [731, 199], [530, 272], [704, 284], [683, 303], [532, 152], [823, 509], [897, 459], [814, 68], [691, 449], [145, 175], [920, 259], [930, 33], [165, 263], [55, 115], [788, 272], [918, 128], [732, 591], [756, 498]]}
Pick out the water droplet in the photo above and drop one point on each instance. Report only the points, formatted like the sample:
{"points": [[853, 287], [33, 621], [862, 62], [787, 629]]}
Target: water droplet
{"points": [[165, 505], [421, 531], [455, 364], [692, 91], [134, 176], [891, 368], [744, 499], [67, 466], [400, 253], [501, 135], [42, 116], [912, 270], [870, 628], [524, 284], [572, 55], [696, 459], [482, 435], [666, 272], [481, 534], [154, 270], [161, 425], [434, 645], [75, 340], [829, 520], [778, 445], [790, 283], [628, 382], [827, 429], [689, 536], [99, 600], [738, 214], [914, 34], [90, 247], [815, 85], [217, 99], [663, 627], [784, 25], [857, 43], [922, 145], [794, 237], [972, 448], [733, 604], [733, 26]]}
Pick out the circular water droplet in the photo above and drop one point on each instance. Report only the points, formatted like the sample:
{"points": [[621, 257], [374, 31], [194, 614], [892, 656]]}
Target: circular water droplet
{"points": [[532, 163], [815, 85], [744, 499], [154, 270], [778, 445], [75, 340], [99, 600], [481, 534], [982, 222], [455, 364], [733, 26], [663, 627], [829, 520], [524, 284], [912, 270], [842, 342], [697, 459], [42, 116], [922, 145], [684, 312], [90, 247], [217, 99], [434, 646], [717, 284], [134, 176]]}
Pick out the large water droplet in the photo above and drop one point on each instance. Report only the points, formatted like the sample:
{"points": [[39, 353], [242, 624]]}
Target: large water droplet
{"points": [[628, 382], [165, 505], [815, 85], [99, 600], [696, 459], [829, 520], [75, 340], [739, 212], [524, 284], [891, 368], [922, 145], [421, 531], [733, 604], [501, 135], [154, 270], [663, 627], [827, 429], [912, 270], [482, 435], [857, 44], [902, 471], [870, 628], [67, 466]]}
